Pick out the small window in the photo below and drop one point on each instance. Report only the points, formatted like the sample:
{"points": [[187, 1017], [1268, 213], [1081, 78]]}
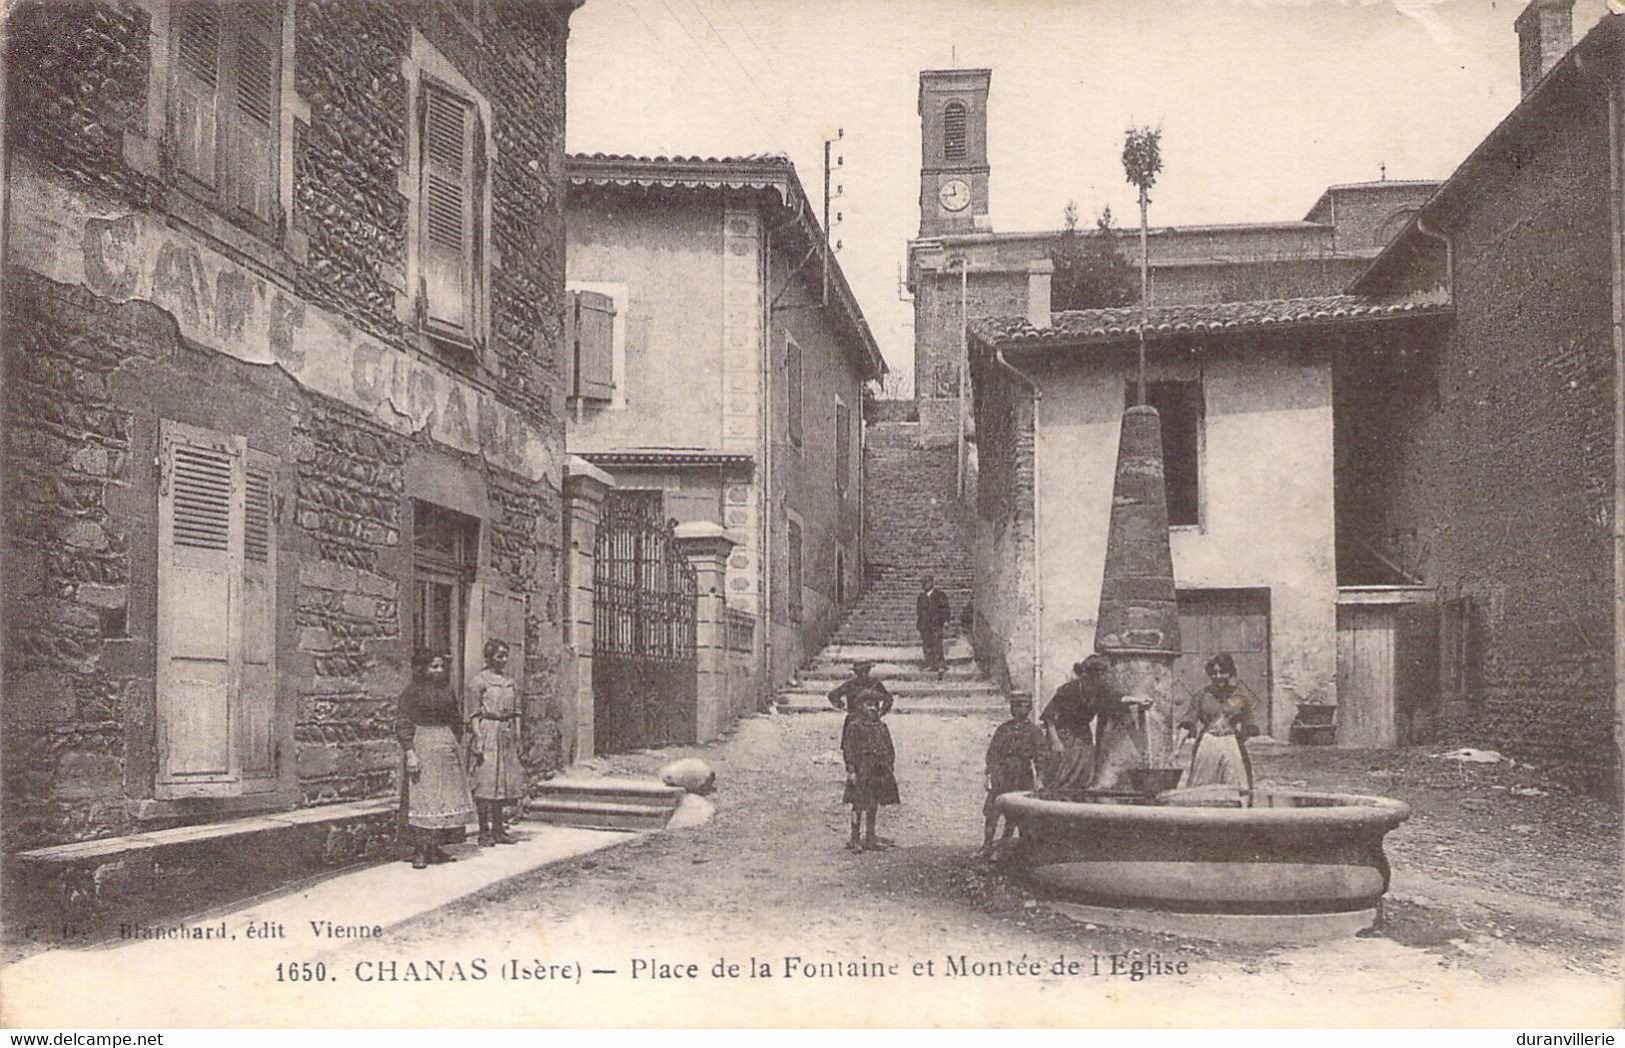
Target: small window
{"points": [[793, 382], [1179, 409], [793, 564], [225, 102], [953, 131], [843, 446], [450, 212]]}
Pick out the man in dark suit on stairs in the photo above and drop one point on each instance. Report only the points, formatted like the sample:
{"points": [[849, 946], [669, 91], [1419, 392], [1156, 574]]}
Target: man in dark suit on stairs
{"points": [[930, 617]]}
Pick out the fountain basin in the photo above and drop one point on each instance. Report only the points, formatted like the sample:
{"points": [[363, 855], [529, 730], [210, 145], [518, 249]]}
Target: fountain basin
{"points": [[1292, 866]]}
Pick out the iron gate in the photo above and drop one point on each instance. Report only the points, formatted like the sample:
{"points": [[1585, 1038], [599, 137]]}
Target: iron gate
{"points": [[644, 673]]}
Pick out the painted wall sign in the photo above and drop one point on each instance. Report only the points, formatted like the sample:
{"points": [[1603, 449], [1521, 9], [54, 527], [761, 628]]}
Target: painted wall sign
{"points": [[223, 306]]}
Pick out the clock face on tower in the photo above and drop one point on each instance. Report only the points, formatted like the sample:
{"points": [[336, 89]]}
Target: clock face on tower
{"points": [[954, 195]]}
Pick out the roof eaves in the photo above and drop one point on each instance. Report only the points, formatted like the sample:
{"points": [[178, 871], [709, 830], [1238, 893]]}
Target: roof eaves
{"points": [[1513, 123]]}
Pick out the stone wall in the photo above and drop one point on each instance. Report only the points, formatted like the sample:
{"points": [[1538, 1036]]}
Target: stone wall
{"points": [[1482, 459], [121, 315], [1003, 495]]}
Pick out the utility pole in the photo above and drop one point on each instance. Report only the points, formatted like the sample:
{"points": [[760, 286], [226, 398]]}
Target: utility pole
{"points": [[840, 133]]}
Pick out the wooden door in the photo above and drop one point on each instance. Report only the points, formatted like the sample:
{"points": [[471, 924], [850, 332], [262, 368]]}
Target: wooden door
{"points": [[1366, 684], [1233, 621]]}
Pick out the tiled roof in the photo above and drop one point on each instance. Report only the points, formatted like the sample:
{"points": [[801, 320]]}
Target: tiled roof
{"points": [[1112, 325], [755, 171], [772, 171]]}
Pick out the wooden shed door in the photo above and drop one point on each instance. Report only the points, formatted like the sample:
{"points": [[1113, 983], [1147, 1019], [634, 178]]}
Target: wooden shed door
{"points": [[1234, 621], [1366, 636]]}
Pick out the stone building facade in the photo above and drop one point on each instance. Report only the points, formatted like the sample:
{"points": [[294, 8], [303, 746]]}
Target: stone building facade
{"points": [[1485, 460], [283, 287], [735, 381]]}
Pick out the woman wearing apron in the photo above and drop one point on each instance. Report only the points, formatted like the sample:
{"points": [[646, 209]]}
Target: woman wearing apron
{"points": [[499, 778], [429, 726]]}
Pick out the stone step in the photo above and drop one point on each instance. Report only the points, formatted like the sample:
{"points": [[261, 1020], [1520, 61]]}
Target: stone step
{"points": [[597, 815], [618, 791], [922, 709], [604, 804], [955, 650], [833, 673], [945, 686]]}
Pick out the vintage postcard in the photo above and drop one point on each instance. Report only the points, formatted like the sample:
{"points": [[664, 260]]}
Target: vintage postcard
{"points": [[764, 513]]}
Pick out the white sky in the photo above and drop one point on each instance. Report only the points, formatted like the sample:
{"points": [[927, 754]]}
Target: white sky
{"points": [[1263, 103]]}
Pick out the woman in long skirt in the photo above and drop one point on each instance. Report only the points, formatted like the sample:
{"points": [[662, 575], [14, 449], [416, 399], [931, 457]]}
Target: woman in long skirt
{"points": [[1220, 716], [429, 726], [499, 778]]}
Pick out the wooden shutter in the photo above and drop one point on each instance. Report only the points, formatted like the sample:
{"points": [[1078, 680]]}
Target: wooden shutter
{"points": [[843, 445], [257, 723], [792, 371], [197, 29], [793, 569], [200, 549], [446, 134], [595, 346], [567, 361], [257, 107]]}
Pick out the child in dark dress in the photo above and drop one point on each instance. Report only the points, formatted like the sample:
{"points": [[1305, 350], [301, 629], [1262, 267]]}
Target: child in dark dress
{"points": [[870, 760], [1012, 761]]}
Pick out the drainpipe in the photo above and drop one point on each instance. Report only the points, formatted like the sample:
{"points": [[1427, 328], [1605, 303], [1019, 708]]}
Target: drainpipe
{"points": [[1038, 534], [765, 384], [1616, 219], [964, 368]]}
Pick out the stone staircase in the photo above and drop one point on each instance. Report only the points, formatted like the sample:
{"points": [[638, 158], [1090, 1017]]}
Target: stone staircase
{"points": [[913, 531], [604, 804], [960, 690]]}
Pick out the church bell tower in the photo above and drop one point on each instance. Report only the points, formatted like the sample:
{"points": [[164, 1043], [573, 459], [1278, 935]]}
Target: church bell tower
{"points": [[953, 150]]}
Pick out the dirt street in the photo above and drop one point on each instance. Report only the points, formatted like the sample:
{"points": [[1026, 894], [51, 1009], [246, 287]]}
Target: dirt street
{"points": [[1505, 909]]}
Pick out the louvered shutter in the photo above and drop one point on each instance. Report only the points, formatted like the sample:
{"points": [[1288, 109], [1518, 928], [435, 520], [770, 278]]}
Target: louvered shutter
{"points": [[257, 109], [792, 373], [567, 361], [843, 445], [200, 548], [196, 28], [257, 723], [595, 342], [447, 206]]}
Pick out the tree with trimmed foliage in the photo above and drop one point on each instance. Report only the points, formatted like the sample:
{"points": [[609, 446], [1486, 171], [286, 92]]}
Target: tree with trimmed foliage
{"points": [[1090, 271]]}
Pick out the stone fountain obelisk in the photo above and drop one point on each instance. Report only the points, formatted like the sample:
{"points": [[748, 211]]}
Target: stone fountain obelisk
{"points": [[1138, 625]]}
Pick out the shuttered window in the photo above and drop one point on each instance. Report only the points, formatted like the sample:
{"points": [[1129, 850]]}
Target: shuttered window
{"points": [[593, 358], [792, 379], [451, 142], [793, 566], [843, 446], [225, 103], [953, 131], [216, 616]]}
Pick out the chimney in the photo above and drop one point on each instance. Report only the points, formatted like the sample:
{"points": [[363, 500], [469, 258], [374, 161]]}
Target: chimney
{"points": [[1038, 277], [1545, 34]]}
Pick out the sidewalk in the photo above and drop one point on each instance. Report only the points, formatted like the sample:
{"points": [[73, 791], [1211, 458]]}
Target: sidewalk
{"points": [[280, 927]]}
